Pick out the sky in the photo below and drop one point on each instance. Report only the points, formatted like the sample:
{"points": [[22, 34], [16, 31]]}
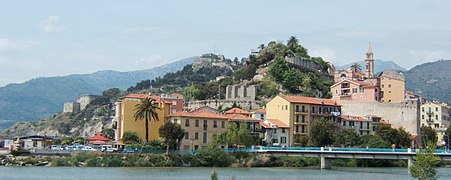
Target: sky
{"points": [[55, 38]]}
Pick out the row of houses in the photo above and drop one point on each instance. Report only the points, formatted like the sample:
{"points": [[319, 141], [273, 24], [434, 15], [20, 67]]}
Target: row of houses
{"points": [[284, 121]]}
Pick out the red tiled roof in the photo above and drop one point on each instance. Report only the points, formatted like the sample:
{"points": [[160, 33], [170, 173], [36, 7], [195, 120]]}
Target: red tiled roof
{"points": [[353, 118], [212, 115], [176, 95], [261, 111], [239, 117], [98, 137], [310, 100], [278, 123], [143, 96], [360, 83], [384, 122], [237, 111]]}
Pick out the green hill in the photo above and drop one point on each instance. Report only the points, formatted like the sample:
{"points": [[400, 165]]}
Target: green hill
{"points": [[431, 80]]}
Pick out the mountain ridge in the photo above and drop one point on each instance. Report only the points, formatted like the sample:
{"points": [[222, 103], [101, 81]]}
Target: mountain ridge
{"points": [[379, 66], [43, 96]]}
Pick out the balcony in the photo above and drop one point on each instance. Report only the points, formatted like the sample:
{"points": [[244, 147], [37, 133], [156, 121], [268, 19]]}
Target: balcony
{"points": [[345, 94]]}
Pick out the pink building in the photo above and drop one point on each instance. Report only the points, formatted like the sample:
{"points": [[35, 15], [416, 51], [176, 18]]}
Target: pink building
{"points": [[355, 91]]}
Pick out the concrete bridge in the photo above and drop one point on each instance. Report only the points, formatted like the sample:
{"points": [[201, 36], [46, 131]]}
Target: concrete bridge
{"points": [[327, 154]]}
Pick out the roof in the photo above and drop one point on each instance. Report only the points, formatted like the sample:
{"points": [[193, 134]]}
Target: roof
{"points": [[353, 118], [98, 137], [143, 96], [356, 82], [260, 111], [278, 123], [212, 115], [392, 74], [176, 95], [237, 111], [310, 100]]}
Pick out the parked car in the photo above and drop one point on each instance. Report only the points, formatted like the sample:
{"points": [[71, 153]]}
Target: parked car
{"points": [[88, 148], [108, 148], [56, 147], [129, 150]]}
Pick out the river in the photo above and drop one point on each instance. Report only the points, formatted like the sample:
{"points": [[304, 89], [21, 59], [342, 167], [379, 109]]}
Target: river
{"points": [[204, 173]]}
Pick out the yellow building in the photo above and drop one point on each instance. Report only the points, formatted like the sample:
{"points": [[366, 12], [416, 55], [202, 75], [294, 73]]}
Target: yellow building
{"points": [[300, 112], [392, 85], [201, 124], [125, 121], [436, 115]]}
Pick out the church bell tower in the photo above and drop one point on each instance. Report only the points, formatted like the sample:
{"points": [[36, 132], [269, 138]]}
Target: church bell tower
{"points": [[369, 63]]}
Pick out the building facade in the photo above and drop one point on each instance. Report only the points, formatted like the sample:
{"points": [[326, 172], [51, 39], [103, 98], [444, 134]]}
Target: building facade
{"points": [[300, 112], [124, 120], [355, 91], [361, 125], [85, 100], [392, 84], [274, 132], [437, 116], [71, 107]]}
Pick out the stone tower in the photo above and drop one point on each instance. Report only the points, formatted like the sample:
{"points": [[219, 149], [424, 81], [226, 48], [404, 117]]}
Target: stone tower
{"points": [[369, 63]]}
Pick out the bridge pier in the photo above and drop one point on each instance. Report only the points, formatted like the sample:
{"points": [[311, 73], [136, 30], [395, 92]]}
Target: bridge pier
{"points": [[325, 162], [410, 162]]}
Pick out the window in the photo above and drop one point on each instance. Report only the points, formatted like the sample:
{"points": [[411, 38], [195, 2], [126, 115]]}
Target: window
{"points": [[351, 123], [215, 124], [354, 90], [367, 125], [196, 136], [437, 125], [320, 110], [297, 108], [361, 125], [344, 123], [274, 141], [382, 86], [389, 85], [286, 107], [222, 124], [297, 119], [297, 128], [186, 122], [422, 109], [336, 91], [283, 130], [436, 108], [313, 109], [361, 89], [274, 131], [197, 123], [204, 138], [283, 140], [389, 92], [205, 124], [422, 116], [303, 108], [436, 117], [303, 118], [175, 121], [186, 135], [302, 129]]}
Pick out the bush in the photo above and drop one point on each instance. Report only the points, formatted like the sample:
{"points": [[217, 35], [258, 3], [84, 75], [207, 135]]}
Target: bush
{"points": [[20, 152], [59, 162], [213, 157]]}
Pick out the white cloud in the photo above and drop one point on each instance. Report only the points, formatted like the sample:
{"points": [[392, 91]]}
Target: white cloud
{"points": [[51, 24], [7, 45]]}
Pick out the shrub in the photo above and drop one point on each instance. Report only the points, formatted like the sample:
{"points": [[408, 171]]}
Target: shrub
{"points": [[213, 156]]}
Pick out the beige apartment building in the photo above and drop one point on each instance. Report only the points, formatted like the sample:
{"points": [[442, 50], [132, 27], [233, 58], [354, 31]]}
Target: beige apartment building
{"points": [[392, 84], [437, 116], [299, 113], [201, 124]]}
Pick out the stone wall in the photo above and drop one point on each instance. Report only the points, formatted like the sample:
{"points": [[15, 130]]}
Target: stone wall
{"points": [[241, 92], [246, 105], [405, 114], [71, 107]]}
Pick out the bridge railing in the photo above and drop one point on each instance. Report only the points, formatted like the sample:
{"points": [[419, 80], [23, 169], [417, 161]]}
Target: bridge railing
{"points": [[335, 149]]}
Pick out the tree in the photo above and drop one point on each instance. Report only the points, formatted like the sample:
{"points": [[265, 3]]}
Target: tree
{"points": [[322, 133], [356, 67], [147, 110], [292, 43], [213, 157], [373, 141], [428, 134], [191, 93], [399, 136], [67, 141], [446, 137], [109, 133], [425, 163], [131, 137], [172, 134], [347, 138]]}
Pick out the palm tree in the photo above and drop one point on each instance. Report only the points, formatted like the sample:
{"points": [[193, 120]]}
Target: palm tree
{"points": [[356, 67], [147, 110], [261, 47], [292, 42]]}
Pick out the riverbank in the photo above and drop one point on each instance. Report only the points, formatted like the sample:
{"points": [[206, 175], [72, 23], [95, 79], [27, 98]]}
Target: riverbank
{"points": [[235, 159]]}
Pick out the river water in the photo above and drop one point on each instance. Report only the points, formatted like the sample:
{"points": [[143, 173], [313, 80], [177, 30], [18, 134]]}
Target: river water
{"points": [[204, 173]]}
